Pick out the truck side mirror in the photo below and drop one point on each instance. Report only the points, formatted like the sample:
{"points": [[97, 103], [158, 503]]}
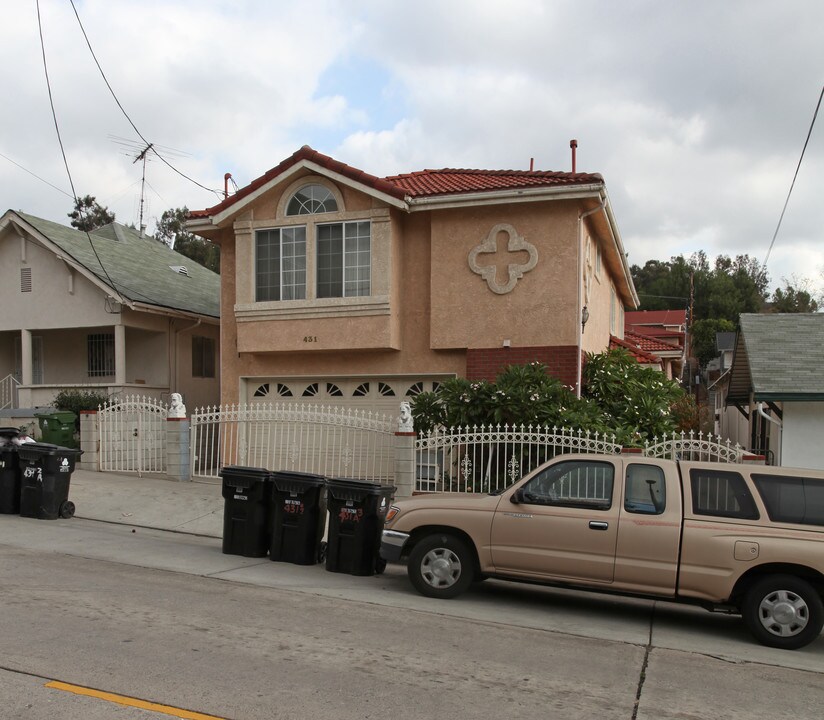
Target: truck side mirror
{"points": [[517, 497]]}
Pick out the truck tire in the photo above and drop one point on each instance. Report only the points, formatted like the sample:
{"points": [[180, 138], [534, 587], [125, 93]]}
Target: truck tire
{"points": [[441, 566], [783, 611]]}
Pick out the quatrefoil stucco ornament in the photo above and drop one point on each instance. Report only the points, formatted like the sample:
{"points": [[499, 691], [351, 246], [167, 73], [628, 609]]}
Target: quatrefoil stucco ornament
{"points": [[515, 270]]}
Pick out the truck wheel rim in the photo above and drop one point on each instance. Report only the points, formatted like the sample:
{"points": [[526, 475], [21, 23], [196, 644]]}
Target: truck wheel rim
{"points": [[783, 613], [441, 568]]}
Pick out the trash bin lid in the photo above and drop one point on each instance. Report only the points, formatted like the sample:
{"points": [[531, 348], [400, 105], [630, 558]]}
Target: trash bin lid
{"points": [[242, 476], [287, 480], [349, 488]]}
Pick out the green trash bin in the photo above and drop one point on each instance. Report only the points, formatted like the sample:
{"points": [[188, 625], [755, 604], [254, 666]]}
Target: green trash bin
{"points": [[57, 428]]}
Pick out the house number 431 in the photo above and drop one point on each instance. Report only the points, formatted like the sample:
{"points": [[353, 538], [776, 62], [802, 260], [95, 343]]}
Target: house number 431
{"points": [[310, 338]]}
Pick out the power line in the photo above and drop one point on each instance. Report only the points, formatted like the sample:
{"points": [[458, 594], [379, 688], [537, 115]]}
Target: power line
{"points": [[62, 149], [792, 185], [36, 176], [125, 114]]}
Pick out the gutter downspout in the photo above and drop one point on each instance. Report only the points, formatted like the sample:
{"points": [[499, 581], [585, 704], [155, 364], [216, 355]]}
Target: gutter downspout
{"points": [[760, 408], [580, 305]]}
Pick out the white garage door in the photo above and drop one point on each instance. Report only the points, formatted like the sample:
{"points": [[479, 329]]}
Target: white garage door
{"points": [[378, 394]]}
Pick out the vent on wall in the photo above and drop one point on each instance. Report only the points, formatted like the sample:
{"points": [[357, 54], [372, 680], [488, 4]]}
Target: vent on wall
{"points": [[179, 269], [25, 279]]}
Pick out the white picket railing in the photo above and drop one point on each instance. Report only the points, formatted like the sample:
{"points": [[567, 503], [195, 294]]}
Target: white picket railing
{"points": [[488, 458], [329, 441], [8, 392], [695, 446], [132, 435]]}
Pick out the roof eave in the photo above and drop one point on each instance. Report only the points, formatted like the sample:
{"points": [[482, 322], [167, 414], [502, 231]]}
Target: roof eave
{"points": [[303, 164], [497, 197]]}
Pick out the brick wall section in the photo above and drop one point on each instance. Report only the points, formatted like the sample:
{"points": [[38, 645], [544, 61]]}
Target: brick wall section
{"points": [[485, 363]]}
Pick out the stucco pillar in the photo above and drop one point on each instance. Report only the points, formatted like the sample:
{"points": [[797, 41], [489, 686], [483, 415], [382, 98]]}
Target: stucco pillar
{"points": [[27, 368], [404, 464], [120, 355], [89, 441], [177, 449]]}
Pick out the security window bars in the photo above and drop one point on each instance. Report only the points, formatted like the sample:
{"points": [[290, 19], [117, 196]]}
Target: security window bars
{"points": [[100, 350], [722, 494], [344, 264], [203, 357], [280, 264]]}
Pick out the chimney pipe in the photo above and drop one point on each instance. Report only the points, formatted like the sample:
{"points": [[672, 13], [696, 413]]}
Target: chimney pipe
{"points": [[531, 164], [226, 184], [574, 145]]}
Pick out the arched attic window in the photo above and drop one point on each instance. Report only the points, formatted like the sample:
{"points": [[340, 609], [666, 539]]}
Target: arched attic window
{"points": [[310, 200]]}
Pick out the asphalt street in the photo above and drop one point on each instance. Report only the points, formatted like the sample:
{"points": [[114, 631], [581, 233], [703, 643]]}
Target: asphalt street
{"points": [[143, 559]]}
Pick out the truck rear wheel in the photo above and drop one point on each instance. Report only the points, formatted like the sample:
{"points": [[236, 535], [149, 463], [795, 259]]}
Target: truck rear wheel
{"points": [[783, 611], [441, 566]]}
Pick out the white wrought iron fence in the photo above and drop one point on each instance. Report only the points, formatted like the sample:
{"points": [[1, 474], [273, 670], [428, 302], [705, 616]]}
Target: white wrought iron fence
{"points": [[695, 446], [485, 459], [329, 441], [8, 392], [132, 433]]}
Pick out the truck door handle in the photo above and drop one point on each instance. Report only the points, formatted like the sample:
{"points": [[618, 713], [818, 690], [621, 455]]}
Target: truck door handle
{"points": [[598, 525]]}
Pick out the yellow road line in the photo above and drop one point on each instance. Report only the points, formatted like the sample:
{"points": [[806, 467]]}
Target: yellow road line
{"points": [[131, 702]]}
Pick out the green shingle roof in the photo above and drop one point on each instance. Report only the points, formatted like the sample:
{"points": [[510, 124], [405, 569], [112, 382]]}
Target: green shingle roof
{"points": [[139, 268], [780, 357]]}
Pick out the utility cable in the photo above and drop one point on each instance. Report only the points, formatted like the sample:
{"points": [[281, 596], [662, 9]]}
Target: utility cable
{"points": [[61, 190], [63, 150], [125, 114], [792, 185]]}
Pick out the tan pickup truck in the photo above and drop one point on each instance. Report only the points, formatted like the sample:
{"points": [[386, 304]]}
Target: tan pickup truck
{"points": [[737, 538]]}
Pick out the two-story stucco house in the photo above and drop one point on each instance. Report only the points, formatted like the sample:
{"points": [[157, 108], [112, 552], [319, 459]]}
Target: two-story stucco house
{"points": [[347, 289]]}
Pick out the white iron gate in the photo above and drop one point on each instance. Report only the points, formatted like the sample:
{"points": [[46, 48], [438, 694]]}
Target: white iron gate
{"points": [[484, 459], [695, 446], [329, 441], [132, 433]]}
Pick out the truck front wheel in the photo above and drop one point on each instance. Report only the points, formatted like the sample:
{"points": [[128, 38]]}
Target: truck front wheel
{"points": [[441, 566], [783, 611]]}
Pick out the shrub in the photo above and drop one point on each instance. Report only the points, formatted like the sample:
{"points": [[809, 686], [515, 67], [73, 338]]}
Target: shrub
{"points": [[77, 400]]}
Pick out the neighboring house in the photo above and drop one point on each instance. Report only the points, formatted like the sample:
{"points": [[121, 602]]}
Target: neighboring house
{"points": [[777, 384], [347, 289], [662, 333], [727, 425], [110, 311], [632, 343]]}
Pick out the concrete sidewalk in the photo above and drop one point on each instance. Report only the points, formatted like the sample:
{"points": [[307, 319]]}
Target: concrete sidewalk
{"points": [[148, 501]]}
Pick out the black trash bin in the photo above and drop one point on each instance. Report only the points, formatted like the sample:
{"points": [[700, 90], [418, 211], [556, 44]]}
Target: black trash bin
{"points": [[9, 472], [45, 474], [357, 511], [246, 511], [298, 517]]}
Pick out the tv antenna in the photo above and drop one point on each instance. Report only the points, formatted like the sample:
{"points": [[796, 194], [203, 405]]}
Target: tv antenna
{"points": [[141, 152]]}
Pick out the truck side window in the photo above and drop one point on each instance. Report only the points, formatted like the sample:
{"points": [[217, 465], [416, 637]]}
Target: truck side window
{"points": [[792, 499], [646, 490], [576, 483], [721, 493]]}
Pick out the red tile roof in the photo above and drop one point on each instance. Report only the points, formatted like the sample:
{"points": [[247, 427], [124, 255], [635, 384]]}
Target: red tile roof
{"points": [[447, 181], [305, 153], [425, 183], [648, 343], [655, 317], [642, 356]]}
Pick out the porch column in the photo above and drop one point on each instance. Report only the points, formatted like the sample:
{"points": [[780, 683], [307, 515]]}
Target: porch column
{"points": [[26, 366], [120, 355]]}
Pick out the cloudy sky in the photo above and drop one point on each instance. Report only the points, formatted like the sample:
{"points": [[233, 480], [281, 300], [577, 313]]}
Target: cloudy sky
{"points": [[695, 112]]}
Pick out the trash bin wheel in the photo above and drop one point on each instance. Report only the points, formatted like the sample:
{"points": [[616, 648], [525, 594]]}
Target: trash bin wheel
{"points": [[322, 552], [67, 509], [380, 566]]}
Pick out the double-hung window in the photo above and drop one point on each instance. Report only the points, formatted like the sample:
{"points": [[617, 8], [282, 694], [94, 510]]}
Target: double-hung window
{"points": [[281, 264], [344, 259]]}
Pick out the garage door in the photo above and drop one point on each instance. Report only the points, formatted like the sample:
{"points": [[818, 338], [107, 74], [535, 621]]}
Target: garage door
{"points": [[378, 394]]}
